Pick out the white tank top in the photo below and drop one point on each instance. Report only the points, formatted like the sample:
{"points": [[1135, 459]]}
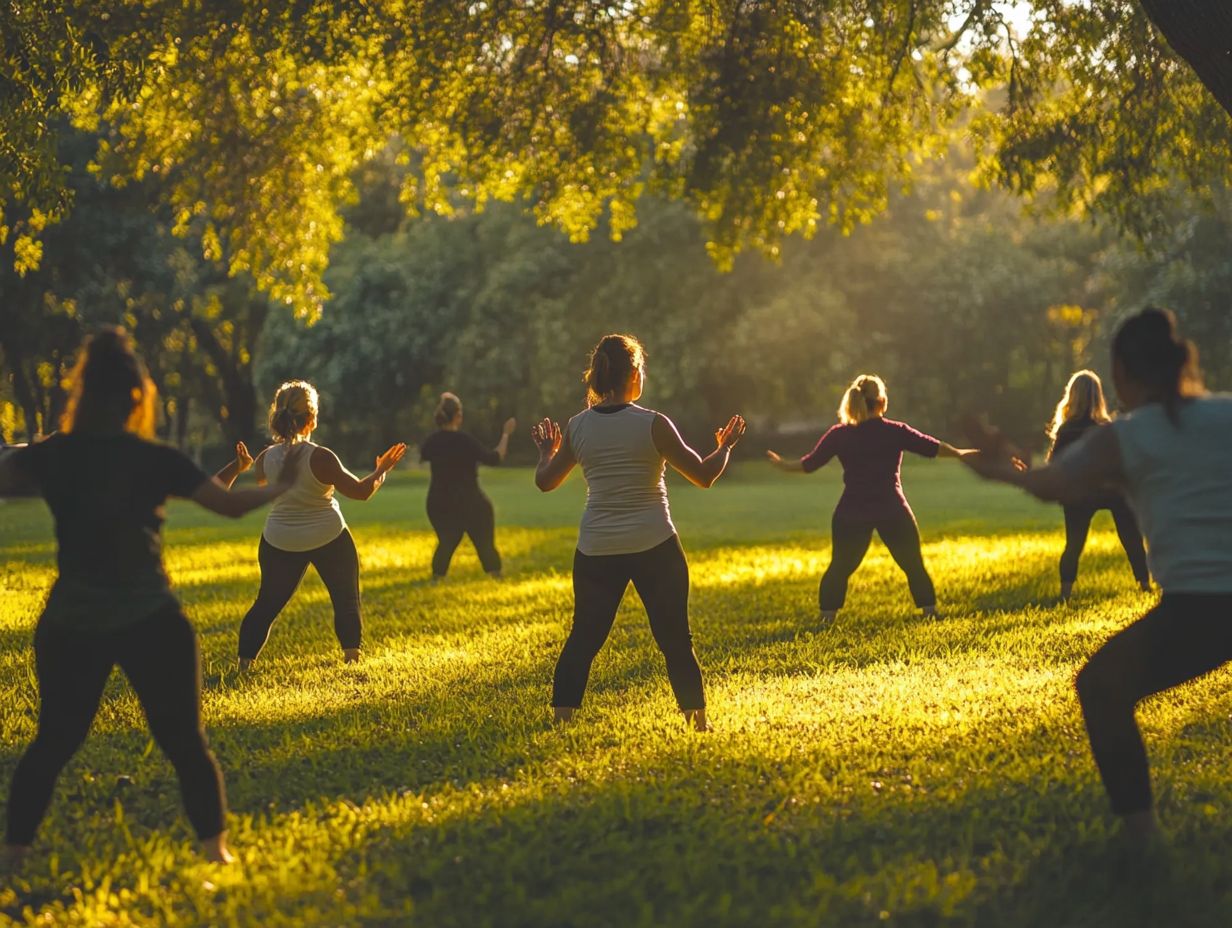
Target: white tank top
{"points": [[1179, 481], [307, 515], [626, 497]]}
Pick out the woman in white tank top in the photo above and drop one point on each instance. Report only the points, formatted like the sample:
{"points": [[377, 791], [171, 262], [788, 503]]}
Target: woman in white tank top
{"points": [[305, 526], [1170, 455], [626, 534]]}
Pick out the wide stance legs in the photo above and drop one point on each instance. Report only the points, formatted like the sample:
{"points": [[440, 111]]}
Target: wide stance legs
{"points": [[661, 578], [851, 537], [160, 657], [1185, 636]]}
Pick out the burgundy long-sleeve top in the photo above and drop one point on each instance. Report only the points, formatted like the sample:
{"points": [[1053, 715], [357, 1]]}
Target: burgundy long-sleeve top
{"points": [[872, 455]]}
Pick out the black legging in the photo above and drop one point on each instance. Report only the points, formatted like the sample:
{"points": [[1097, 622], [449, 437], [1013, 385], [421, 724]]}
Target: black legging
{"points": [[1078, 523], [1185, 636], [337, 563], [850, 537], [661, 578], [159, 655], [453, 517]]}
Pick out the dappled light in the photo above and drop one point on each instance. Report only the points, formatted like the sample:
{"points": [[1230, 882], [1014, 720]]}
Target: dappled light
{"points": [[887, 770]]}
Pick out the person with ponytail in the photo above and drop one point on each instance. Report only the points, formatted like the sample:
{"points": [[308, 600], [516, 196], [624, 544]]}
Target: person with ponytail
{"points": [[870, 447], [106, 483], [1081, 409], [306, 525], [456, 505], [626, 535], [1169, 453]]}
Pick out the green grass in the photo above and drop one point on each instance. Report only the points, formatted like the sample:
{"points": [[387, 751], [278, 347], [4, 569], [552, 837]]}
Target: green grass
{"points": [[889, 771]]}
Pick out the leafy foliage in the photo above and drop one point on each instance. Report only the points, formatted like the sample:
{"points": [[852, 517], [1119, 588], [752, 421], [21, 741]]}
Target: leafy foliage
{"points": [[768, 119]]}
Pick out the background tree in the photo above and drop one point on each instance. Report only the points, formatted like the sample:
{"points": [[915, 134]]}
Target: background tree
{"points": [[767, 119]]}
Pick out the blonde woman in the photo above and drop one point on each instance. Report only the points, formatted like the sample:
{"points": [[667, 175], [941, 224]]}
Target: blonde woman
{"points": [[305, 526], [627, 535], [1081, 409], [870, 447]]}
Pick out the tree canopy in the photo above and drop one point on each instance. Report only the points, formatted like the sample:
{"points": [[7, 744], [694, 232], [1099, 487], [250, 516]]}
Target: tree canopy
{"points": [[767, 118]]}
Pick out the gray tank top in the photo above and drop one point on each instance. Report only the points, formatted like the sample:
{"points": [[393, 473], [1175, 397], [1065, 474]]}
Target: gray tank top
{"points": [[1179, 481], [626, 496]]}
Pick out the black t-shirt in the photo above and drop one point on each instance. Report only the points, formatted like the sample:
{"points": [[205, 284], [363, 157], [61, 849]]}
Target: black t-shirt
{"points": [[107, 493], [1070, 432], [455, 458]]}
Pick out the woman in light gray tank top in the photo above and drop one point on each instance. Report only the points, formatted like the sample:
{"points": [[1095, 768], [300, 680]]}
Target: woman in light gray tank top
{"points": [[626, 534], [1170, 455]]}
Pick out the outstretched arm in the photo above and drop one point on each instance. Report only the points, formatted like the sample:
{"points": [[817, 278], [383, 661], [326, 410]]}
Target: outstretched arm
{"points": [[217, 497], [699, 471], [328, 469], [1090, 465], [791, 465], [946, 450], [556, 458]]}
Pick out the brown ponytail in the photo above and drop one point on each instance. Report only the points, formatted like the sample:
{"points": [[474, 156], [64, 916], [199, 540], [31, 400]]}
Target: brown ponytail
{"points": [[1152, 353], [109, 388], [612, 364], [293, 410], [447, 409]]}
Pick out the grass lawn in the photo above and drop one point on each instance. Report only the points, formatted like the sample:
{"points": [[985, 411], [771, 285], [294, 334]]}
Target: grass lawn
{"points": [[888, 771]]}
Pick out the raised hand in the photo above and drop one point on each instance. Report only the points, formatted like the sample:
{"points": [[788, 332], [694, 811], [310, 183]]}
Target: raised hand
{"points": [[387, 461], [547, 437], [730, 435], [509, 426], [775, 458], [243, 459]]}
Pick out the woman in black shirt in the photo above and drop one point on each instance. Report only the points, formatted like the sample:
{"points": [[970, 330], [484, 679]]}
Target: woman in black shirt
{"points": [[1081, 409], [106, 484], [456, 505]]}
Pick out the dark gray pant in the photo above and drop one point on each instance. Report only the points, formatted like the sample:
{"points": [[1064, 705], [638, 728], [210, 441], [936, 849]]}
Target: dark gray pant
{"points": [[661, 578]]}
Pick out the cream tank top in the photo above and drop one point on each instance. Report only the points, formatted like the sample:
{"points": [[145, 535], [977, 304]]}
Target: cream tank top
{"points": [[626, 496], [1179, 481], [307, 515]]}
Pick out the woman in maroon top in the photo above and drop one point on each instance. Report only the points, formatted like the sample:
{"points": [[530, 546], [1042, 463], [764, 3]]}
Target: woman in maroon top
{"points": [[870, 448]]}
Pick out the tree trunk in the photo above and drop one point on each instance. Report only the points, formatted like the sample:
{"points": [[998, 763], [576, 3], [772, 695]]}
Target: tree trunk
{"points": [[238, 414], [1200, 31]]}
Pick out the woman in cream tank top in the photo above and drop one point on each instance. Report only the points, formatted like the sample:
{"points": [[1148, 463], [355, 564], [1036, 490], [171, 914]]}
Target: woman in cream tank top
{"points": [[305, 526], [626, 534]]}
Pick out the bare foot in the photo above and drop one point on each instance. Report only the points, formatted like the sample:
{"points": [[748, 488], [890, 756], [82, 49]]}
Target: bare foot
{"points": [[350, 655], [697, 718], [215, 850], [562, 715]]}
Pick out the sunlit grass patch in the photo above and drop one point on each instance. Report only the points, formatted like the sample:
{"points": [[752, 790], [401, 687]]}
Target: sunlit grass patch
{"points": [[890, 770]]}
